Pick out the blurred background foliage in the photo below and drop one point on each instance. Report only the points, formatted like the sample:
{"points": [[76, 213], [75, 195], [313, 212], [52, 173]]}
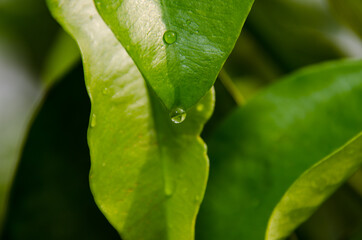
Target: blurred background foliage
{"points": [[44, 111]]}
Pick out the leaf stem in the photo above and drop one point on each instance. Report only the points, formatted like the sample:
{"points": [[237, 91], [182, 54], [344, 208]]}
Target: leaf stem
{"points": [[229, 85]]}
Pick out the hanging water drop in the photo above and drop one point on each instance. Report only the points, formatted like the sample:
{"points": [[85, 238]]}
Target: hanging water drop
{"points": [[178, 115], [170, 37], [93, 121]]}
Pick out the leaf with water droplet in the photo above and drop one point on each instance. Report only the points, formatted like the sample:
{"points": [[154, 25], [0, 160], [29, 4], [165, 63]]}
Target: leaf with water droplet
{"points": [[179, 46], [263, 147], [137, 152]]}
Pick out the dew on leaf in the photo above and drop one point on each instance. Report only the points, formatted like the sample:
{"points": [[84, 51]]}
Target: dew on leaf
{"points": [[200, 107], [168, 188], [170, 37], [105, 91], [178, 115], [93, 121], [168, 191]]}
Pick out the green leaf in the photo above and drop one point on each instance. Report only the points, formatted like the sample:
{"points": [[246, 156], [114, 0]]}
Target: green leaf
{"points": [[313, 187], [148, 174], [350, 11], [262, 148], [179, 46]]}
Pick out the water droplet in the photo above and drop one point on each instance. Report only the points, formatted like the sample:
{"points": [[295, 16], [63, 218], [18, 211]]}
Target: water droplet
{"points": [[168, 190], [197, 199], [200, 107], [170, 37], [105, 91], [93, 121], [178, 115]]}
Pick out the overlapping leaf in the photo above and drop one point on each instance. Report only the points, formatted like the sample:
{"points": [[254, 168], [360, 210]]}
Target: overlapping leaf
{"points": [[148, 174], [265, 146], [313, 187], [179, 46]]}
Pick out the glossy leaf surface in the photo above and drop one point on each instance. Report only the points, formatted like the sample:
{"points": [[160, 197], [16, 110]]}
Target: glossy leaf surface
{"points": [[313, 187], [265, 146], [148, 175], [179, 46]]}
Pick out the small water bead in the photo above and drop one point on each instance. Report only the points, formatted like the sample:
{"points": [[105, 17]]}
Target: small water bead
{"points": [[105, 91], [178, 115], [168, 191], [170, 37], [93, 121], [200, 107]]}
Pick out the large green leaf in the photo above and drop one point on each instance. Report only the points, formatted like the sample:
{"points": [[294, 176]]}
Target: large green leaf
{"points": [[313, 187], [266, 145], [179, 46], [148, 174]]}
